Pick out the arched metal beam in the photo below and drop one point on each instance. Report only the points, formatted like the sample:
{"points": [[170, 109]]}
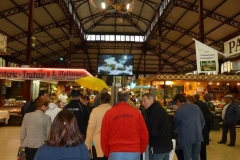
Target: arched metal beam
{"points": [[24, 7]]}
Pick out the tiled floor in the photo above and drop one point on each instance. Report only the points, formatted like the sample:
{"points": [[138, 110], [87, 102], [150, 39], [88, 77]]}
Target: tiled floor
{"points": [[9, 143]]}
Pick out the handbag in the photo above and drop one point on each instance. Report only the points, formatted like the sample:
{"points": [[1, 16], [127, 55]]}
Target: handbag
{"points": [[21, 155]]}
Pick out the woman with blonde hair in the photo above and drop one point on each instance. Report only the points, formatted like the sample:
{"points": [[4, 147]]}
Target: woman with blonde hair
{"points": [[64, 140]]}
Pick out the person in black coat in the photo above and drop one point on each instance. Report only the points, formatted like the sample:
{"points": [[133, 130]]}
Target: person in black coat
{"points": [[79, 110], [207, 127], [160, 141]]}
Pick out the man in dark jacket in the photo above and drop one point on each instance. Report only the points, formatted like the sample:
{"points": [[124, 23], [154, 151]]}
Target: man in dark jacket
{"points": [[31, 105], [160, 142], [207, 127], [188, 122], [79, 110], [230, 116]]}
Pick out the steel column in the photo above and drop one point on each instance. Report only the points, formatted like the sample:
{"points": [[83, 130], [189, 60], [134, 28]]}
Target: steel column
{"points": [[144, 64], [159, 45], [201, 21], [30, 29], [27, 86], [70, 39]]}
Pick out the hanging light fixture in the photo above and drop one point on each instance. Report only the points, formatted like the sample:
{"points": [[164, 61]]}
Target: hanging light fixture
{"points": [[103, 5], [128, 6]]}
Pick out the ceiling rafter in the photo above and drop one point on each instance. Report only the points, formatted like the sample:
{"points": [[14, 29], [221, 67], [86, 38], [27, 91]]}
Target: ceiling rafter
{"points": [[34, 49], [210, 14], [66, 11], [61, 28], [151, 4], [18, 40], [142, 53], [173, 66], [135, 25], [163, 16], [156, 50], [191, 34], [37, 47], [75, 49], [39, 29], [178, 45], [162, 51], [110, 15], [78, 3], [205, 33], [190, 30], [16, 27], [141, 10], [95, 24], [25, 7]]}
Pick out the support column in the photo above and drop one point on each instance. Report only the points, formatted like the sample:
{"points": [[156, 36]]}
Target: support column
{"points": [[164, 94], [30, 29], [144, 53], [159, 45], [2, 85], [70, 39], [201, 23], [144, 64], [26, 87], [2, 99]]}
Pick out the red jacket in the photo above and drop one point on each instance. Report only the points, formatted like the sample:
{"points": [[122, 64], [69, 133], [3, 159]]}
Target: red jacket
{"points": [[123, 130]]}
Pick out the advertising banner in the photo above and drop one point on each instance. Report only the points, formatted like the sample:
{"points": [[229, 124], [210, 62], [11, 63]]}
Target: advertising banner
{"points": [[207, 58], [232, 47], [56, 74]]}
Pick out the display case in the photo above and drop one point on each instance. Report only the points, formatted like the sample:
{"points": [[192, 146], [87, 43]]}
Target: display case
{"points": [[14, 106]]}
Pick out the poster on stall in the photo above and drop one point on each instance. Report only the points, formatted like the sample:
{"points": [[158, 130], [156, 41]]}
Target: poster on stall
{"points": [[207, 58]]}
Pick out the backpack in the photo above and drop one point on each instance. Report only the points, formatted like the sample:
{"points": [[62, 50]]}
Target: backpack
{"points": [[27, 107]]}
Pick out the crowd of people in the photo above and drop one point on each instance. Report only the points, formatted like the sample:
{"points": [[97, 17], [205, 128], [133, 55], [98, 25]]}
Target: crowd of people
{"points": [[122, 131]]}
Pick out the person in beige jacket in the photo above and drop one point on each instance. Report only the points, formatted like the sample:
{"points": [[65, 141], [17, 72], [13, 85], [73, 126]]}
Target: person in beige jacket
{"points": [[35, 128], [95, 123]]}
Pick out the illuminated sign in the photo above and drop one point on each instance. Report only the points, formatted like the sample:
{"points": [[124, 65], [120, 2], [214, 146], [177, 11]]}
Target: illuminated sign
{"points": [[56, 74]]}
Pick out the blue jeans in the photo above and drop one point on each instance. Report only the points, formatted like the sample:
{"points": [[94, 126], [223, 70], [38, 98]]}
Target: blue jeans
{"points": [[192, 152], [160, 156], [124, 156], [147, 153]]}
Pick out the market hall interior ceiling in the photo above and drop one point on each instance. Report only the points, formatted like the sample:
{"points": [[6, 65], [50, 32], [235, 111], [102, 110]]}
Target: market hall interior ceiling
{"points": [[158, 33]]}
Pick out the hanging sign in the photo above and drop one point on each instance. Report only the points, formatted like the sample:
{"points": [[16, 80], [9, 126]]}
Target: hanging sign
{"points": [[232, 47], [207, 58], [56, 74]]}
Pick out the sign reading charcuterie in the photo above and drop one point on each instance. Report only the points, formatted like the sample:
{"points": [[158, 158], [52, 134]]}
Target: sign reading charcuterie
{"points": [[57, 74]]}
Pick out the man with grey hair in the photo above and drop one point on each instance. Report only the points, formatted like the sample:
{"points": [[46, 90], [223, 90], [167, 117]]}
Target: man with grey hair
{"points": [[230, 116], [124, 134], [96, 101], [160, 141]]}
